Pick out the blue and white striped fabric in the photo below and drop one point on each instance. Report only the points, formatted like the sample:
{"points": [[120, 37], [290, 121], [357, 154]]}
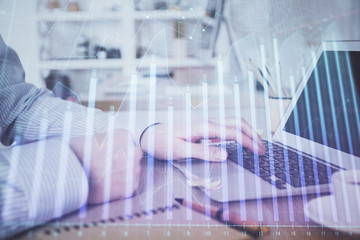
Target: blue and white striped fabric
{"points": [[41, 178], [33, 190]]}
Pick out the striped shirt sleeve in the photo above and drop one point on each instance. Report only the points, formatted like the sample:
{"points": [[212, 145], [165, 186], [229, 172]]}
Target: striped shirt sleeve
{"points": [[39, 181], [23, 107], [41, 178]]}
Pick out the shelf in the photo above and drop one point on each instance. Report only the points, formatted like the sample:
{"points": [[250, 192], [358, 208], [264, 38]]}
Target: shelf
{"points": [[119, 63], [175, 63], [168, 14], [79, 16], [82, 64], [117, 16]]}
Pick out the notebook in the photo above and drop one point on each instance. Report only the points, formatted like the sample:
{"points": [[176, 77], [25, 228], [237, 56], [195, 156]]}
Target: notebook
{"points": [[137, 226]]}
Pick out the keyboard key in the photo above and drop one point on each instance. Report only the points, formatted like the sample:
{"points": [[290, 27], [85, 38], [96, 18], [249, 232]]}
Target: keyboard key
{"points": [[265, 158], [279, 165], [322, 174], [281, 175], [264, 164], [295, 181], [264, 173], [321, 168], [280, 184], [323, 180], [309, 181], [294, 167]]}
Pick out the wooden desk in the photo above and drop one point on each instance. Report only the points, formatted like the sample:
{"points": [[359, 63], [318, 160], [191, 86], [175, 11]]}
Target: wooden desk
{"points": [[160, 184], [180, 226]]}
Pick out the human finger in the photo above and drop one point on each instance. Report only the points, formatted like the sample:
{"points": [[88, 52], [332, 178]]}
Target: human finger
{"points": [[200, 151], [249, 143], [232, 133], [250, 131], [247, 129]]}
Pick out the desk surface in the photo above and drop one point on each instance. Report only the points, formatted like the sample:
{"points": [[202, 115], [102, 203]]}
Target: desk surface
{"points": [[162, 193], [161, 184]]}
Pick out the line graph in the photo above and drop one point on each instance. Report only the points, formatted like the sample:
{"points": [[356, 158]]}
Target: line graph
{"points": [[148, 78]]}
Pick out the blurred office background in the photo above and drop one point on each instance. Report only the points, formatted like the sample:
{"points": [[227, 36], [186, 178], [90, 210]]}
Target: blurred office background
{"points": [[64, 41]]}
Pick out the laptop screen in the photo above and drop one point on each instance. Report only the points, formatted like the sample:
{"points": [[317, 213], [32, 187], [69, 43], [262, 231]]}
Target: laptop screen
{"points": [[328, 109]]}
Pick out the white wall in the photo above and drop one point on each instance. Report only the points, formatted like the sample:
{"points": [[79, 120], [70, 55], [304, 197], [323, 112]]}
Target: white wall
{"points": [[299, 27], [19, 30]]}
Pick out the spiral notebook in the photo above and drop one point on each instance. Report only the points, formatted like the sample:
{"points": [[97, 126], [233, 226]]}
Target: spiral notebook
{"points": [[102, 227], [150, 224]]}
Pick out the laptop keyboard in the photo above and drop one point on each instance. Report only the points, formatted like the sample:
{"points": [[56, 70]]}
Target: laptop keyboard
{"points": [[280, 166]]}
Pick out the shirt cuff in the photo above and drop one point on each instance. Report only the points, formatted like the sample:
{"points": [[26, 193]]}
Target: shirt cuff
{"points": [[136, 128]]}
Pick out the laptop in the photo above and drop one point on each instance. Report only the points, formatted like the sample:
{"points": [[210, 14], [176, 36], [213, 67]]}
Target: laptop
{"points": [[318, 135]]}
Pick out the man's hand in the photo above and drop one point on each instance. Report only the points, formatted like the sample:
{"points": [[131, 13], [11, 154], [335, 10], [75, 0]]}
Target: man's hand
{"points": [[161, 138], [114, 166]]}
